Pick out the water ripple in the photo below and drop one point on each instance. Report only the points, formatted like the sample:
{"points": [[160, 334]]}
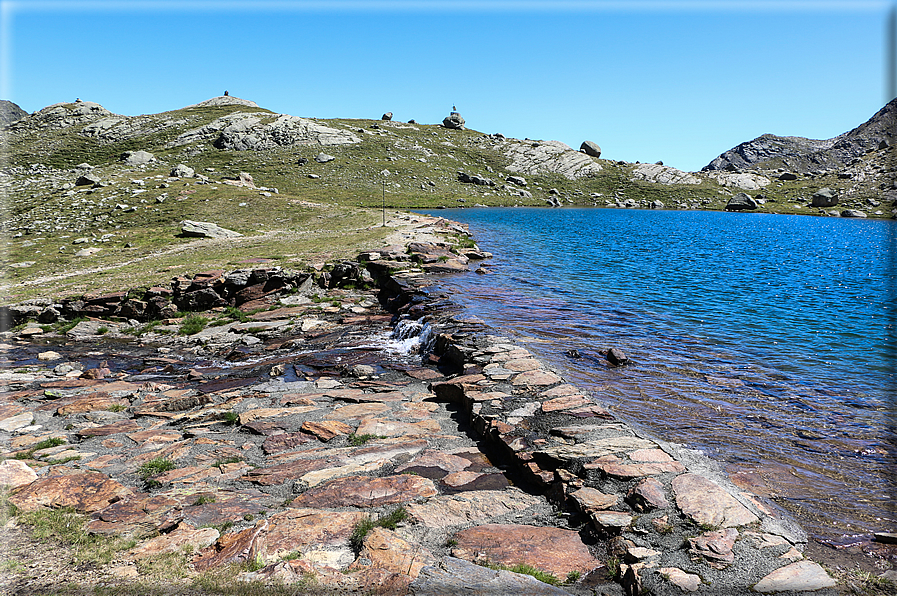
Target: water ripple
{"points": [[766, 341]]}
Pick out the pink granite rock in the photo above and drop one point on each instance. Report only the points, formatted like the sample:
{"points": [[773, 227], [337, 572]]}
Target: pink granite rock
{"points": [[366, 492], [82, 491], [707, 503], [552, 550]]}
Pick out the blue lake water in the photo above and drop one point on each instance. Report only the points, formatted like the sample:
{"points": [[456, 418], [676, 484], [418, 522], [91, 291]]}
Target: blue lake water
{"points": [[766, 341]]}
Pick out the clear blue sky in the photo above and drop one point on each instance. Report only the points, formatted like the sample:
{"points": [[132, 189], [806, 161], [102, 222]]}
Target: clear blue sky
{"points": [[674, 81]]}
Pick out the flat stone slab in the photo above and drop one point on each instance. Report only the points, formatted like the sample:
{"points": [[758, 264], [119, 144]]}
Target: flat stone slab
{"points": [[125, 426], [392, 428], [595, 449], [553, 550], [386, 550], [522, 365], [285, 442], [688, 582], [14, 423], [326, 429], [796, 577], [468, 507], [182, 537], [565, 402], [82, 491], [707, 503], [365, 491], [15, 473], [456, 576], [536, 378], [590, 499], [613, 466], [359, 411], [305, 528]]}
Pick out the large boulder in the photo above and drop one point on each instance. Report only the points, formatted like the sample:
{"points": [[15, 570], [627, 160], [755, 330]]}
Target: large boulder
{"points": [[473, 179], [204, 229], [741, 202], [824, 197], [590, 148], [324, 158], [137, 158], [454, 121], [387, 116], [182, 171], [87, 180]]}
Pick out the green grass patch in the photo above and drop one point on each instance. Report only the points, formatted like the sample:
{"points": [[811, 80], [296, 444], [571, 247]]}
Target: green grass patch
{"points": [[364, 527], [68, 527], [155, 467], [523, 569], [193, 324], [227, 460], [204, 500], [45, 444], [163, 567], [359, 440]]}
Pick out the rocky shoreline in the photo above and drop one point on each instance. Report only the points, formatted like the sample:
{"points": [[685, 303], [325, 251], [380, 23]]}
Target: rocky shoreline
{"points": [[305, 441]]}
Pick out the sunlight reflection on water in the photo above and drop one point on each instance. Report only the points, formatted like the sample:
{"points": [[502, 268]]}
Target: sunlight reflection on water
{"points": [[765, 341]]}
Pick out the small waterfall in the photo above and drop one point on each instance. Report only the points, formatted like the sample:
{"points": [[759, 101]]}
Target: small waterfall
{"points": [[411, 336]]}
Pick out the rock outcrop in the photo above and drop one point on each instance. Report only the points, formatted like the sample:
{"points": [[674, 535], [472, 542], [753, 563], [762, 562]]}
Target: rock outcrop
{"points": [[10, 113], [808, 155], [224, 100], [662, 174], [544, 157], [742, 180], [257, 131]]}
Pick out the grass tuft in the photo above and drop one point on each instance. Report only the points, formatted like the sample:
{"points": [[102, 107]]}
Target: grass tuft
{"points": [[67, 526], [193, 324], [359, 440], [523, 569], [155, 467], [364, 527]]}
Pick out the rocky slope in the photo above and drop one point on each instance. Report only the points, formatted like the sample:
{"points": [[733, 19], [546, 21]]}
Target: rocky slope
{"points": [[10, 113], [864, 155]]}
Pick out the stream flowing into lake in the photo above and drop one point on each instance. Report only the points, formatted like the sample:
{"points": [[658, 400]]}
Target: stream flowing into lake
{"points": [[765, 341]]}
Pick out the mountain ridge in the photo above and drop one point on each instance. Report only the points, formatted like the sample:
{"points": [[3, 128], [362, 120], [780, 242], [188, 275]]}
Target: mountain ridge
{"points": [[803, 155]]}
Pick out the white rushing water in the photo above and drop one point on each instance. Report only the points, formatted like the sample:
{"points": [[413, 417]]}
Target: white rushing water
{"points": [[411, 337]]}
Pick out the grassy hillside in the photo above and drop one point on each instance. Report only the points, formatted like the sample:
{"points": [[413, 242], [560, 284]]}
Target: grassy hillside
{"points": [[320, 211]]}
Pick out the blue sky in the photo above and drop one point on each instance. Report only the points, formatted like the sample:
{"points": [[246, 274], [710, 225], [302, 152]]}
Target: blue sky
{"points": [[647, 80]]}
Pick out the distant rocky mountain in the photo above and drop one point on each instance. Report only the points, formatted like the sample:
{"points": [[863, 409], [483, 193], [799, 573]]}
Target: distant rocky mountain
{"points": [[10, 113], [800, 155]]}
